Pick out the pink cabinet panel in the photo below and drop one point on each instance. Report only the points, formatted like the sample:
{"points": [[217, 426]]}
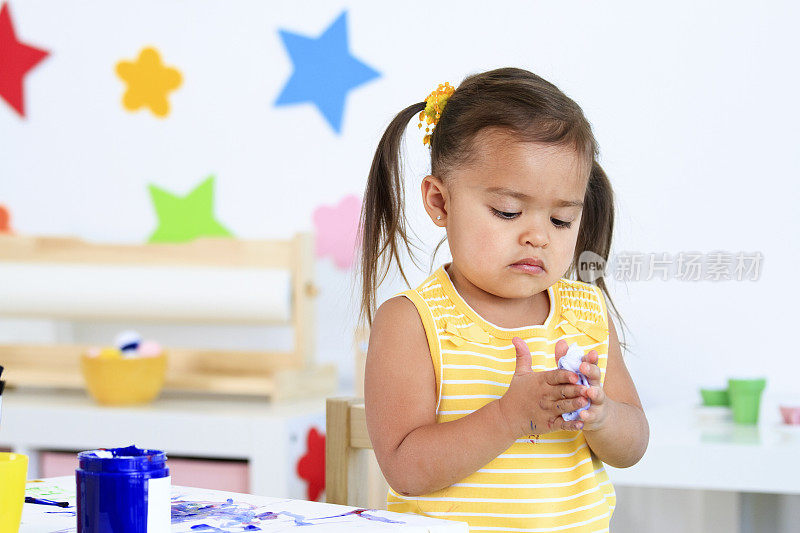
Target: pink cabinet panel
{"points": [[208, 474], [231, 476], [54, 464]]}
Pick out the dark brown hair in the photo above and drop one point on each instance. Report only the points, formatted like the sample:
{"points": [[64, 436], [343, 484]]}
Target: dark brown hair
{"points": [[514, 100]]}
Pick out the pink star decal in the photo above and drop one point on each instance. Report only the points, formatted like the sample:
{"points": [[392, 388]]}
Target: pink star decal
{"points": [[337, 231], [16, 59], [311, 467]]}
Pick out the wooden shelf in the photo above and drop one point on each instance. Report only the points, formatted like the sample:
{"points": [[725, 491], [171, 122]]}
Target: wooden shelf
{"points": [[263, 373]]}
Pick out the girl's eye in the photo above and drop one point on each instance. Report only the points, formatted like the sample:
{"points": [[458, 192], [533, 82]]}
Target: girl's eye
{"points": [[504, 215], [561, 223]]}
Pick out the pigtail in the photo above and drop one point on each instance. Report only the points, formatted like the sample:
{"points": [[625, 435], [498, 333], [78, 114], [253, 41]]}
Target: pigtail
{"points": [[383, 222], [597, 229]]}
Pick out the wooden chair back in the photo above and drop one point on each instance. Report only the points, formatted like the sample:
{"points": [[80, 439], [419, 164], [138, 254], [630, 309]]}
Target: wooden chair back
{"points": [[352, 474]]}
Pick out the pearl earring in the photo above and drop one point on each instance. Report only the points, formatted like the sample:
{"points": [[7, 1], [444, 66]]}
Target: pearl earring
{"points": [[439, 217]]}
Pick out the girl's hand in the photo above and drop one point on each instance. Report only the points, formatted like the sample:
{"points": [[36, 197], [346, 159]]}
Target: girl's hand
{"points": [[595, 416], [535, 401]]}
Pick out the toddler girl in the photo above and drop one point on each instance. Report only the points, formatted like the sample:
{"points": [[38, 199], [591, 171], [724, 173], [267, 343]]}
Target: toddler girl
{"points": [[464, 397]]}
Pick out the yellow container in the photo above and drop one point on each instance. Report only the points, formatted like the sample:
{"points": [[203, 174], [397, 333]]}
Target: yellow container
{"points": [[13, 473], [124, 380]]}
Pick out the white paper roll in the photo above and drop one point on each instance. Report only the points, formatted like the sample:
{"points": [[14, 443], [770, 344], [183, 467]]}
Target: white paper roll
{"points": [[146, 292]]}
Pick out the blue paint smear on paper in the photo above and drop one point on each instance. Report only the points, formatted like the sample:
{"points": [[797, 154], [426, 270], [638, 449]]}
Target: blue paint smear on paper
{"points": [[363, 514], [238, 517], [298, 519]]}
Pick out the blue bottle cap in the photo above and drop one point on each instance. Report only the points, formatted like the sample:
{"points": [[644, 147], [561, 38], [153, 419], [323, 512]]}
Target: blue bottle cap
{"points": [[128, 459]]}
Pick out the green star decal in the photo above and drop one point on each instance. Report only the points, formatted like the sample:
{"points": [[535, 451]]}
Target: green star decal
{"points": [[183, 219]]}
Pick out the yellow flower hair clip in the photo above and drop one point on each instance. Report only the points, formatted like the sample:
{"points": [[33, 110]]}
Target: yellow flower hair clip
{"points": [[435, 103]]}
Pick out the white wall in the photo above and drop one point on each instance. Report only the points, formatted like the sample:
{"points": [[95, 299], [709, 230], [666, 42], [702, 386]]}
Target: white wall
{"points": [[694, 105]]}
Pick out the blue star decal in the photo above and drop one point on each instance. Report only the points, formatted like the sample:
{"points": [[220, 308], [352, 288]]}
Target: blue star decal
{"points": [[324, 71]]}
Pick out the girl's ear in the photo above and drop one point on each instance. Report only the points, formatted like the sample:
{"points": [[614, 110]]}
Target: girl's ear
{"points": [[436, 200]]}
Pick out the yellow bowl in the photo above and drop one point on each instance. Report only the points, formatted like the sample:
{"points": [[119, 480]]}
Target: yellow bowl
{"points": [[124, 380]]}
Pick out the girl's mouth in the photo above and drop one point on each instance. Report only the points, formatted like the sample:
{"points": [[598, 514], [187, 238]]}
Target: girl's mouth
{"points": [[529, 266]]}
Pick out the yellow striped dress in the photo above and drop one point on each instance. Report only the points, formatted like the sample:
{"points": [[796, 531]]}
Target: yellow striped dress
{"points": [[553, 483]]}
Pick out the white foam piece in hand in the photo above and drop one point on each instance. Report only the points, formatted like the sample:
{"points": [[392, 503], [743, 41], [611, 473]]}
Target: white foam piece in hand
{"points": [[572, 361], [573, 358]]}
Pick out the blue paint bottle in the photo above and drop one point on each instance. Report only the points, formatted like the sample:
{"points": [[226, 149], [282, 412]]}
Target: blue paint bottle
{"points": [[123, 490]]}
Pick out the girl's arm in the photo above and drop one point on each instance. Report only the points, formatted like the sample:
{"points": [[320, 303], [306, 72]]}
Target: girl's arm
{"points": [[618, 431], [416, 454]]}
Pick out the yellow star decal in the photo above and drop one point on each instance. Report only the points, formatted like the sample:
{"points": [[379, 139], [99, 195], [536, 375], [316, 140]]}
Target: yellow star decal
{"points": [[148, 81]]}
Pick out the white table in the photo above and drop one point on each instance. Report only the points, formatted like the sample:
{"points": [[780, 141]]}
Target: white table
{"points": [[284, 513], [752, 465], [689, 454], [201, 426]]}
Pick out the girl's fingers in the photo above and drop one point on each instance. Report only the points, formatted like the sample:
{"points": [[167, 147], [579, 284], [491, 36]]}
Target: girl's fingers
{"points": [[569, 405], [567, 425], [592, 373], [523, 362], [559, 377], [563, 392], [591, 357], [596, 394], [561, 349]]}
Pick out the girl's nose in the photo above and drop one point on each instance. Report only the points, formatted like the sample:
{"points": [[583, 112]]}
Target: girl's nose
{"points": [[535, 235]]}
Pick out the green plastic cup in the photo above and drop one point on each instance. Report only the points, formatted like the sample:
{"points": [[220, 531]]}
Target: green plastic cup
{"points": [[715, 397], [745, 396]]}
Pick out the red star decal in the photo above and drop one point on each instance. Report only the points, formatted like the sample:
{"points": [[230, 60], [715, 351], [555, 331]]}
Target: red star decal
{"points": [[16, 59], [5, 220], [311, 467]]}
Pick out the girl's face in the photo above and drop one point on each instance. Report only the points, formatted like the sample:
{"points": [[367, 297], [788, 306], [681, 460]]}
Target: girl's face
{"points": [[515, 202]]}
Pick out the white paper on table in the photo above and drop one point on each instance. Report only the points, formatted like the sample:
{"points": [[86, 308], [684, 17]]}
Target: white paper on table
{"points": [[47, 518], [233, 512]]}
